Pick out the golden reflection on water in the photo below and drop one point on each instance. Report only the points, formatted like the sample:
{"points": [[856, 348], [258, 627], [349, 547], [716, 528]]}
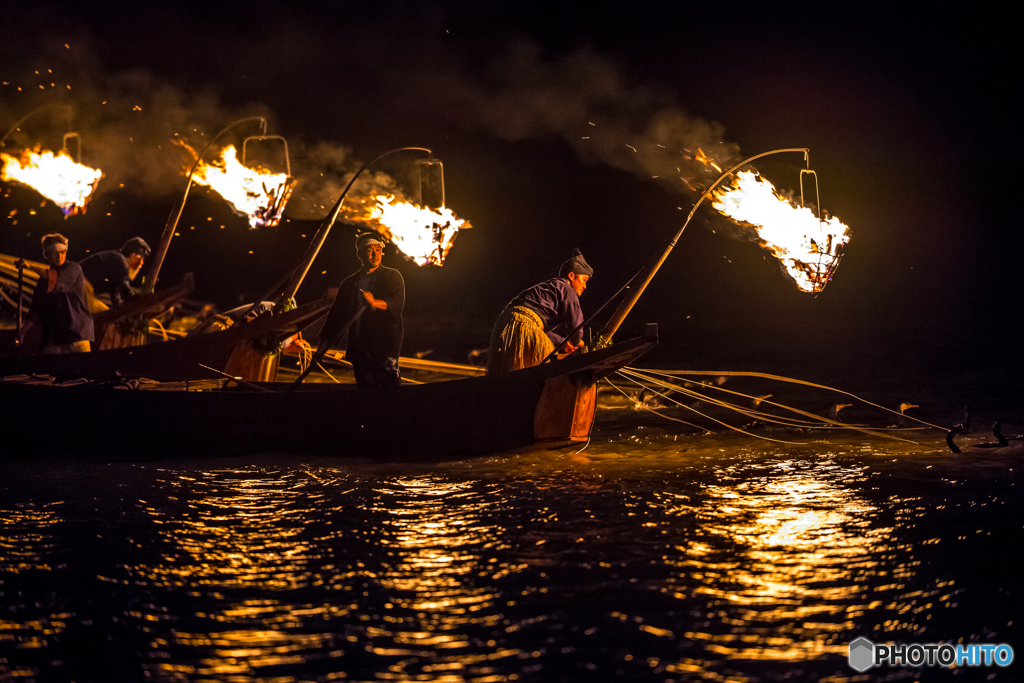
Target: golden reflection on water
{"points": [[434, 534], [227, 533], [262, 573], [26, 546], [802, 552]]}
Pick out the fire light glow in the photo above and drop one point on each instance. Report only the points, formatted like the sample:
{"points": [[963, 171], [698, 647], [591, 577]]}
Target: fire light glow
{"points": [[57, 177], [255, 193], [422, 234], [808, 248]]}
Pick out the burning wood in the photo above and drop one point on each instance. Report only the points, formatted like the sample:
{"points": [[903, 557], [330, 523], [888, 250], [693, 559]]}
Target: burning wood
{"points": [[55, 176], [424, 235], [808, 247], [255, 193]]}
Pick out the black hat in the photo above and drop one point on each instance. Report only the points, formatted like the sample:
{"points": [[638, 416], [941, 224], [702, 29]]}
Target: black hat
{"points": [[577, 264], [136, 245]]}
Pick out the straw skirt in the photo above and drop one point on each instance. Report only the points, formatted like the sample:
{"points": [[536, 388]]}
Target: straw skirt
{"points": [[517, 341]]}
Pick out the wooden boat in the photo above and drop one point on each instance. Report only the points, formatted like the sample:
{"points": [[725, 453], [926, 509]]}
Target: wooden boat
{"points": [[549, 405], [235, 350], [109, 335]]}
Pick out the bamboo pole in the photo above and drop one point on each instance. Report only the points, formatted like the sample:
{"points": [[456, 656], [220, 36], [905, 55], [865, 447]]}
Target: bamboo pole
{"points": [[294, 279], [21, 290], [646, 275], [26, 117], [149, 282]]}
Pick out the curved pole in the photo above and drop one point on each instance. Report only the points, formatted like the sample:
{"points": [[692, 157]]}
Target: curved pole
{"points": [[298, 274], [149, 283], [32, 113], [648, 273]]}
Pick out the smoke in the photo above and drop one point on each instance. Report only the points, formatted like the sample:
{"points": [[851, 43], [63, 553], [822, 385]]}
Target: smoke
{"points": [[128, 121], [585, 100], [326, 169]]}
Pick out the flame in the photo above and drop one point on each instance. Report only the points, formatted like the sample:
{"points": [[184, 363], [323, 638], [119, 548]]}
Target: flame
{"points": [[706, 160], [424, 235], [55, 176], [808, 248], [255, 193]]}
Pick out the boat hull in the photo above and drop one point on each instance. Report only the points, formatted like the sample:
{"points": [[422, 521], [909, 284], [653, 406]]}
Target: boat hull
{"points": [[180, 358], [463, 417]]}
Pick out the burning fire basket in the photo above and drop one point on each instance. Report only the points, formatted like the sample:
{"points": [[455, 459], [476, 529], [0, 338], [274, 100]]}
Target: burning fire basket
{"points": [[59, 177], [270, 214], [810, 263]]}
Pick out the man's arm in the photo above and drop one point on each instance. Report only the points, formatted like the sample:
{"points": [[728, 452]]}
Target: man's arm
{"points": [[572, 316], [76, 285], [391, 294], [124, 287], [341, 311]]}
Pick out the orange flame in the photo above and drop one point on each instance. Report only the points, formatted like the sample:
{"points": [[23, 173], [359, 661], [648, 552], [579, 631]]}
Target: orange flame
{"points": [[706, 160], [424, 235], [55, 176], [255, 193], [808, 248]]}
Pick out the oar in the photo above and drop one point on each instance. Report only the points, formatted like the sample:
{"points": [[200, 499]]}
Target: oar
{"points": [[318, 356]]}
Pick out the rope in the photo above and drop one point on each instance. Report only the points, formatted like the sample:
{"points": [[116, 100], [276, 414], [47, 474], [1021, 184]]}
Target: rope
{"points": [[780, 378], [818, 421], [724, 424]]}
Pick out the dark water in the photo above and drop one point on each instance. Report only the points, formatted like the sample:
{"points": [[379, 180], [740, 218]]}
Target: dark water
{"points": [[649, 556]]}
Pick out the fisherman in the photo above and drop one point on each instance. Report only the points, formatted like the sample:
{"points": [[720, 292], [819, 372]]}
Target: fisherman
{"points": [[59, 316], [369, 304], [541, 318], [111, 272]]}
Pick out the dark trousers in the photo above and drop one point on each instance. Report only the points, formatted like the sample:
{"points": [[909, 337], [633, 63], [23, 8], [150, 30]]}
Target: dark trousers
{"points": [[375, 373]]}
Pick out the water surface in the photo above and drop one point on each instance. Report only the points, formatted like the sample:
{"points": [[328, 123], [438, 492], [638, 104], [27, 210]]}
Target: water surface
{"points": [[656, 554]]}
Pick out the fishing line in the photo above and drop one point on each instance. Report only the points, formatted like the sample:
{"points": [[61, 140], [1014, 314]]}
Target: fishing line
{"points": [[708, 417], [791, 380], [817, 422], [648, 408], [821, 420]]}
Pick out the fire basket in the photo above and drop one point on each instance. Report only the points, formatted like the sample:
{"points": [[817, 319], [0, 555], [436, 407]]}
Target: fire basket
{"points": [[270, 215]]}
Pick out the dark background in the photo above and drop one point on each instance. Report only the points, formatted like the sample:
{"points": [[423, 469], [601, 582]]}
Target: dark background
{"points": [[907, 115]]}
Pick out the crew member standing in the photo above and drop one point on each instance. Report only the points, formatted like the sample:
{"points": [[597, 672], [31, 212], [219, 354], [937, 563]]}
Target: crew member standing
{"points": [[370, 302], [111, 272], [540, 318], [59, 320]]}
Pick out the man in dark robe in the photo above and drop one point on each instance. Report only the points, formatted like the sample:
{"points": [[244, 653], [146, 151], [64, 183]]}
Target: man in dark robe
{"points": [[111, 272], [539, 319], [59, 320], [370, 304]]}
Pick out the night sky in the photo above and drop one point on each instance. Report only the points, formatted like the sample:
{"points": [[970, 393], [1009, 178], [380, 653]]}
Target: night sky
{"points": [[907, 116]]}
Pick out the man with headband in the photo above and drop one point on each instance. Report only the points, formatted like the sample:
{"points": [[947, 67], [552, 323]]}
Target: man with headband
{"points": [[541, 318], [369, 305], [59, 320]]}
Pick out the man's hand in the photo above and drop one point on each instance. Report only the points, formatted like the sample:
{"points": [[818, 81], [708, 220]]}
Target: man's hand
{"points": [[379, 304]]}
